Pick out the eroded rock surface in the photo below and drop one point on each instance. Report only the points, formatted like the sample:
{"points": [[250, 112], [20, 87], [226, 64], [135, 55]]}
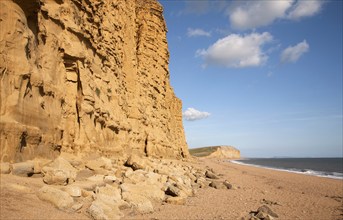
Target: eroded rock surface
{"points": [[86, 77]]}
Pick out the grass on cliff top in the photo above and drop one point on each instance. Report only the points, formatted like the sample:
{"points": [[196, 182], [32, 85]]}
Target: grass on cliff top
{"points": [[203, 151]]}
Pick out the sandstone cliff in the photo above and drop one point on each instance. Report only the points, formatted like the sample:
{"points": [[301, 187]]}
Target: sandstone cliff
{"points": [[221, 152], [84, 76], [226, 152]]}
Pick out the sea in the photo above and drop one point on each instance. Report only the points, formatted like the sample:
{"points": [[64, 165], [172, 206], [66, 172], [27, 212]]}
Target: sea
{"points": [[323, 167]]}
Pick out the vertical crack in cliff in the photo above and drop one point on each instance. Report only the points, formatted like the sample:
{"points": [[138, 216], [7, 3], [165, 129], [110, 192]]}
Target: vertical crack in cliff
{"points": [[30, 9], [78, 115], [79, 94], [79, 84], [22, 143], [28, 88], [146, 146]]}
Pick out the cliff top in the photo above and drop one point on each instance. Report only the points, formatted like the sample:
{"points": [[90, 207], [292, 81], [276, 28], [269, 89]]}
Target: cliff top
{"points": [[215, 151]]}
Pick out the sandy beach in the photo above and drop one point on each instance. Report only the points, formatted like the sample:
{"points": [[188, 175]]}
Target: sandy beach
{"points": [[289, 195]]}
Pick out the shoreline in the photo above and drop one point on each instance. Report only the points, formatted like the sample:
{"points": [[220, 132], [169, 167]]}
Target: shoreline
{"points": [[290, 195], [307, 173]]}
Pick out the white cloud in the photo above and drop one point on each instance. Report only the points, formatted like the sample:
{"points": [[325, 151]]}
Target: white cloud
{"points": [[237, 51], [246, 15], [292, 53], [305, 9], [197, 32], [253, 14], [192, 114]]}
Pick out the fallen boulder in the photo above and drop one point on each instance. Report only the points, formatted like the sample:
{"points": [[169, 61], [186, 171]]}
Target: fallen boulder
{"points": [[173, 191], [99, 163], [109, 179], [265, 209], [211, 175], [150, 191], [108, 194], [217, 185], [24, 169], [140, 203], [107, 202], [228, 185], [135, 162], [102, 211], [263, 213], [202, 182], [59, 172], [58, 198]]}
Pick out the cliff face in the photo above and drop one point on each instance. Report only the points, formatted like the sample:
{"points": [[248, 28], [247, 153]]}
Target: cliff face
{"points": [[225, 152], [86, 76]]}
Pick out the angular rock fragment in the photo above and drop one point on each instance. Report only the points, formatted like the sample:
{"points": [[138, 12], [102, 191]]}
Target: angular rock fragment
{"points": [[99, 163], [59, 172], [217, 185], [58, 198], [211, 175], [263, 212], [202, 182], [228, 185], [97, 211], [173, 191], [134, 177], [267, 210], [107, 202], [109, 179], [23, 169], [73, 191], [135, 162], [140, 203], [102, 211], [261, 215], [108, 194]]}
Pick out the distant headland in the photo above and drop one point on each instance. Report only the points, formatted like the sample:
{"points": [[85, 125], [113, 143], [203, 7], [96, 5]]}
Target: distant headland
{"points": [[223, 152]]}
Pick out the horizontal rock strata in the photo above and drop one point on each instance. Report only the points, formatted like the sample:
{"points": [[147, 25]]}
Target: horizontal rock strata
{"points": [[85, 76]]}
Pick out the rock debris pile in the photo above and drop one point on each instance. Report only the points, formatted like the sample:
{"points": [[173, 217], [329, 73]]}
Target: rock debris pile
{"points": [[103, 188]]}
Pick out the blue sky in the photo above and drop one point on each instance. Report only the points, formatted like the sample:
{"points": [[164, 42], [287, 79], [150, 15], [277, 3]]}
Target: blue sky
{"points": [[263, 76]]}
